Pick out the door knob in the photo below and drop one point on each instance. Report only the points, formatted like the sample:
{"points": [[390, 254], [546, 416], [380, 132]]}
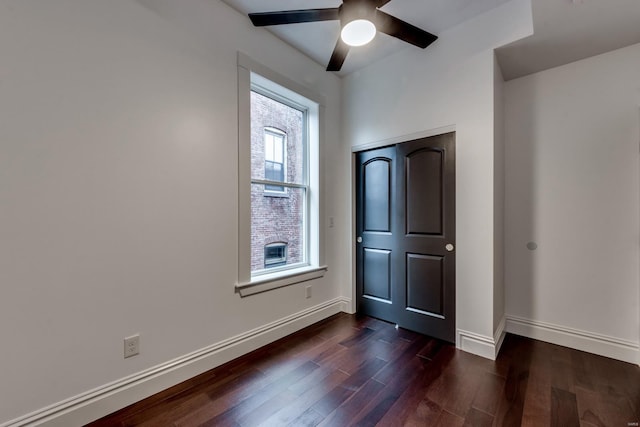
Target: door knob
{"points": [[449, 247], [359, 239]]}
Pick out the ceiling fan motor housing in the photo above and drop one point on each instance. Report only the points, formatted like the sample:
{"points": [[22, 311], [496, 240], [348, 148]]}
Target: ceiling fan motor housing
{"points": [[351, 10]]}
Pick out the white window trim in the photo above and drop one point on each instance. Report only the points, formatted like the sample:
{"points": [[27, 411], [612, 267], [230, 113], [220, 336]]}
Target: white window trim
{"points": [[248, 71]]}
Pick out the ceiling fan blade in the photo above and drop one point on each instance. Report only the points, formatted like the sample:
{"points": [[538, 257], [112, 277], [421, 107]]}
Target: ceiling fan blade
{"points": [[294, 16], [338, 56], [380, 3], [404, 31]]}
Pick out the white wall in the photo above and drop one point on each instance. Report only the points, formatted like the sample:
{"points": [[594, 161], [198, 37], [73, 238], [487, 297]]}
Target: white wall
{"points": [[450, 83], [498, 201], [118, 196], [573, 188]]}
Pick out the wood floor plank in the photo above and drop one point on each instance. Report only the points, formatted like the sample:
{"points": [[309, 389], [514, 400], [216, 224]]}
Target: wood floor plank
{"points": [[447, 419], [476, 418], [348, 360], [342, 392], [400, 360], [536, 409], [380, 404], [267, 409], [346, 412], [426, 413], [236, 386], [457, 387], [309, 418], [431, 349], [604, 408], [296, 407], [242, 409], [353, 370], [360, 338], [229, 408], [581, 375], [414, 395], [511, 405], [564, 409], [561, 374], [167, 415], [487, 398]]}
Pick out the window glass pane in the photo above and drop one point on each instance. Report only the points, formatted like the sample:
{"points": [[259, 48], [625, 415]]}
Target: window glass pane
{"points": [[268, 147], [271, 146], [274, 172], [278, 146], [277, 220]]}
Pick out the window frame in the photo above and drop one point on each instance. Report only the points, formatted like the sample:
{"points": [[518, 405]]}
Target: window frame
{"points": [[252, 74]]}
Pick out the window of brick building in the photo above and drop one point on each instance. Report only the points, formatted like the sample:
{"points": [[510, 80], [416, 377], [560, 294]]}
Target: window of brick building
{"points": [[275, 254], [279, 177], [275, 154]]}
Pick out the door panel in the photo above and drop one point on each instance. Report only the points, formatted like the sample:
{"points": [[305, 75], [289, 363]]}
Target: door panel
{"points": [[425, 270], [376, 202], [405, 217], [375, 180], [377, 274], [424, 192]]}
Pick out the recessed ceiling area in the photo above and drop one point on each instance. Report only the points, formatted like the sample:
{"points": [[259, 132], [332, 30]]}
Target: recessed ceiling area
{"points": [[317, 39], [569, 30]]}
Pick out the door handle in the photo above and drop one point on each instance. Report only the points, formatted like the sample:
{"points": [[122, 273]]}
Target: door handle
{"points": [[449, 247], [359, 239]]}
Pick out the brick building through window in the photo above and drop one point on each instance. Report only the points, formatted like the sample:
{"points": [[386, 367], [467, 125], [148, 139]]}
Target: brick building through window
{"points": [[277, 212]]}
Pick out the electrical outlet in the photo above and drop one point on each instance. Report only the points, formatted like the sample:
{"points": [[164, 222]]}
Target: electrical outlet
{"points": [[131, 346], [308, 291], [331, 222]]}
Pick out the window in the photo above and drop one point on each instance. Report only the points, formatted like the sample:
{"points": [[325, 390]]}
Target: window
{"points": [[279, 141], [275, 254], [278, 182], [274, 157]]}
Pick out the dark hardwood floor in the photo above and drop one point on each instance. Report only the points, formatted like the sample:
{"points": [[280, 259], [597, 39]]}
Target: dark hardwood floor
{"points": [[347, 370]]}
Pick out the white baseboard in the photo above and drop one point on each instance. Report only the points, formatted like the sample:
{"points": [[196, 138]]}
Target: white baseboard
{"points": [[481, 345], [498, 336], [350, 307], [109, 398], [607, 346]]}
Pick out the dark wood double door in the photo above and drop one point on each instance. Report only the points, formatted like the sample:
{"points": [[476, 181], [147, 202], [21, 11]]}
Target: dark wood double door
{"points": [[405, 225]]}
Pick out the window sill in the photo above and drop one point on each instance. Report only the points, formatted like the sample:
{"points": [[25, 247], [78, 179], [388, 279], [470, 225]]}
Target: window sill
{"points": [[268, 282]]}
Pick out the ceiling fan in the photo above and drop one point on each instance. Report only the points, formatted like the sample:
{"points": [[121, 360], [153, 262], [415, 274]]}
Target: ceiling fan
{"points": [[360, 20]]}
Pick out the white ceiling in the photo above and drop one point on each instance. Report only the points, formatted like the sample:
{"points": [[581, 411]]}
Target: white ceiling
{"points": [[564, 30], [317, 39]]}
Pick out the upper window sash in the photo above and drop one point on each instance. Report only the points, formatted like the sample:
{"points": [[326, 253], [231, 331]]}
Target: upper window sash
{"points": [[258, 85]]}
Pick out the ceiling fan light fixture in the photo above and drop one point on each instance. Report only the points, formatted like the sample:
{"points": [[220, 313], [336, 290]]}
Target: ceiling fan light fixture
{"points": [[360, 21], [358, 32]]}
